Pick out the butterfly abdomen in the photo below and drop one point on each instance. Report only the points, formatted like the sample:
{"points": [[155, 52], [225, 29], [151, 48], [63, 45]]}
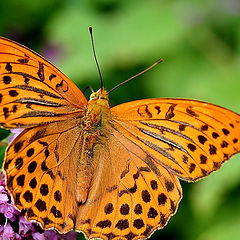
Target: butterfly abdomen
{"points": [[94, 124]]}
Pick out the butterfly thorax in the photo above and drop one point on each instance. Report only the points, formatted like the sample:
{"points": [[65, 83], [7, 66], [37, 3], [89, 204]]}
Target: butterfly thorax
{"points": [[97, 113], [94, 123]]}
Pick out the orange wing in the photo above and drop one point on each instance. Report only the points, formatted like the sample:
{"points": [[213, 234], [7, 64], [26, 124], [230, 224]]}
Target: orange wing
{"points": [[190, 138], [41, 173], [32, 90], [130, 197]]}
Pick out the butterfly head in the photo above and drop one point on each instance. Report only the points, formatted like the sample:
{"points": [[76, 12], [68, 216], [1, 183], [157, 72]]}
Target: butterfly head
{"points": [[98, 111], [100, 97]]}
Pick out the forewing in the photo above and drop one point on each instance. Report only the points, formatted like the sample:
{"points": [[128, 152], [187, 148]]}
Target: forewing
{"points": [[190, 138], [32, 90]]}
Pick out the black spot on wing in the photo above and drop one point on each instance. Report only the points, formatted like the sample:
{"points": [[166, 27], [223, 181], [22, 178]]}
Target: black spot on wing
{"points": [[7, 79], [170, 113], [8, 67], [40, 72], [52, 76], [190, 111]]}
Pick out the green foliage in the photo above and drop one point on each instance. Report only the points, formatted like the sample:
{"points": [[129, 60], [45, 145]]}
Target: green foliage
{"points": [[200, 44]]}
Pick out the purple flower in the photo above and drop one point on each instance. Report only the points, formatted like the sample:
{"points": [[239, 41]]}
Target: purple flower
{"points": [[8, 233], [38, 236], [6, 207], [16, 132], [24, 226], [9, 211], [3, 196]]}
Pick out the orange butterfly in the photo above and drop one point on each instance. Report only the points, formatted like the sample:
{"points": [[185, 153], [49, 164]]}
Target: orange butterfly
{"points": [[111, 173]]}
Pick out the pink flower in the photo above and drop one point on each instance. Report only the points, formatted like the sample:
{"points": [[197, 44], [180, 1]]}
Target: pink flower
{"points": [[16, 132], [24, 226], [8, 233], [38, 236]]}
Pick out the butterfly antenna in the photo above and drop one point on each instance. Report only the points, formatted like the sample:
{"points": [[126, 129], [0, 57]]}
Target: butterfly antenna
{"points": [[88, 87], [94, 53], [159, 61]]}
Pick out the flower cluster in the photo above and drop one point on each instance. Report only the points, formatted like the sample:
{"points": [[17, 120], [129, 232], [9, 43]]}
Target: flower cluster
{"points": [[13, 224]]}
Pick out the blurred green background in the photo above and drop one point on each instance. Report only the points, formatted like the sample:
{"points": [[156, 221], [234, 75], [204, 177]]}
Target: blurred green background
{"points": [[199, 41]]}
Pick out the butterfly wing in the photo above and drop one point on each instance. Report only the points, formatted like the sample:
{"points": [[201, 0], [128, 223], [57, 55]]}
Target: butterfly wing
{"points": [[190, 138], [131, 196], [134, 185], [32, 90], [41, 169]]}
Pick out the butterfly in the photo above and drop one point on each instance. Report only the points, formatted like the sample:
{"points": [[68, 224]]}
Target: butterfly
{"points": [[110, 173]]}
